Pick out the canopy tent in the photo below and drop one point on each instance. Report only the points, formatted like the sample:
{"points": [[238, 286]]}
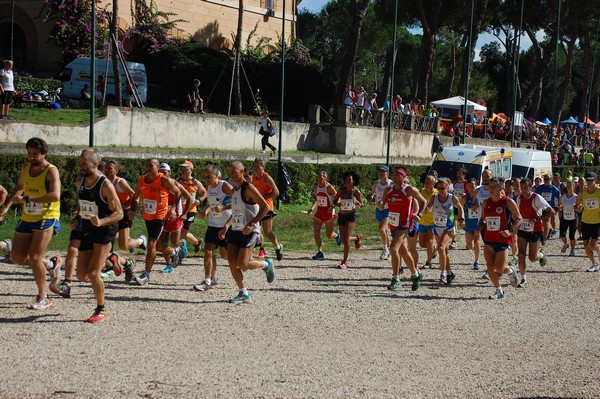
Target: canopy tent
{"points": [[500, 116], [569, 121], [544, 122], [457, 103], [590, 124]]}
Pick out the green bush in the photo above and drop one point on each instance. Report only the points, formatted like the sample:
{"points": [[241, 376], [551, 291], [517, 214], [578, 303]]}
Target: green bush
{"points": [[27, 83]]}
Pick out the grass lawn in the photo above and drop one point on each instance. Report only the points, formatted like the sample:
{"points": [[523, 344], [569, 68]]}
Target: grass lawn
{"points": [[65, 116]]}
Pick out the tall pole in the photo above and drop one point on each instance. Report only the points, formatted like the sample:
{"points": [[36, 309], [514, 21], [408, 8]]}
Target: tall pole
{"points": [[281, 94], [12, 32], [512, 141], [466, 111], [391, 114], [93, 73], [554, 110], [591, 84]]}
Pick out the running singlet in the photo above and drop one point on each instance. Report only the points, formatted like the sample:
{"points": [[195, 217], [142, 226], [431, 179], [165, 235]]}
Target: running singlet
{"points": [[178, 206], [460, 188], [400, 207], [91, 204], [427, 218], [155, 199], [347, 201], [190, 187], [550, 193], [36, 187], [496, 220], [241, 211], [263, 188], [482, 194], [443, 212], [380, 189], [591, 208], [471, 216], [531, 208], [123, 196], [325, 210], [568, 207], [216, 196]]}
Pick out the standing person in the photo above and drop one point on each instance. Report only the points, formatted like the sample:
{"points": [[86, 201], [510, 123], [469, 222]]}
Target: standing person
{"points": [[218, 212], [324, 194], [128, 95], [500, 216], [248, 208], [535, 211], [568, 217], [459, 188], [38, 190], [348, 198], [7, 88], [265, 131], [267, 188], [100, 211], [154, 189], [426, 235], [472, 236], [588, 202], [381, 215], [198, 194], [551, 194], [442, 207], [100, 89], [399, 200], [195, 102]]}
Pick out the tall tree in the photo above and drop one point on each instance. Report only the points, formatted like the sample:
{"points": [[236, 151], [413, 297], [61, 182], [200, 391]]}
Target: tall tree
{"points": [[114, 33], [237, 87]]}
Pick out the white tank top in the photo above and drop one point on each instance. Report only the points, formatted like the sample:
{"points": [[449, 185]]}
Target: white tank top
{"points": [[380, 189], [442, 211], [216, 196], [242, 213], [568, 206]]}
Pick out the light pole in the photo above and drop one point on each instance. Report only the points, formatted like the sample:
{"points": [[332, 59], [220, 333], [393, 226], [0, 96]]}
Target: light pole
{"points": [[391, 94], [512, 141], [468, 73], [281, 94], [93, 73]]}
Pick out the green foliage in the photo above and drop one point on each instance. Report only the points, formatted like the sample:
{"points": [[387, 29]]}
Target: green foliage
{"points": [[30, 84]]}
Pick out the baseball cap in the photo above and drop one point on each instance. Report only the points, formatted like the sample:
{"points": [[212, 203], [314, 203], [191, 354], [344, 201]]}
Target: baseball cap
{"points": [[590, 176], [164, 166], [400, 171], [383, 168], [575, 179], [187, 164]]}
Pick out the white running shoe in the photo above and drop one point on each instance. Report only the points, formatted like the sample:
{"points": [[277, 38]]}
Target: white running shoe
{"points": [[594, 268]]}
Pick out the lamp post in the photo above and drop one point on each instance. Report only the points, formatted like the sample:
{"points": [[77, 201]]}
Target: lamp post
{"points": [[93, 73], [281, 95], [468, 73], [512, 141], [391, 94], [554, 110]]}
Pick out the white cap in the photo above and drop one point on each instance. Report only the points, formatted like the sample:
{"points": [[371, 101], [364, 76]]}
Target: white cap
{"points": [[164, 166]]}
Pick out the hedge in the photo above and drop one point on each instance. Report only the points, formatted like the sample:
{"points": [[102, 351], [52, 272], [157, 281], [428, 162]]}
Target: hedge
{"points": [[30, 84]]}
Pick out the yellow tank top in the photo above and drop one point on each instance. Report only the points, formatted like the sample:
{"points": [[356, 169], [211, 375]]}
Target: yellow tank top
{"points": [[591, 207], [36, 187], [427, 217]]}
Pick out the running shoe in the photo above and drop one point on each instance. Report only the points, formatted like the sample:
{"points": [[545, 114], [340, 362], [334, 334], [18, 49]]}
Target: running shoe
{"points": [[453, 245], [416, 281], [99, 316], [168, 269], [476, 266], [261, 254], [8, 247], [451, 277], [443, 279], [543, 259], [594, 268], [514, 279], [129, 269], [358, 242], [107, 273], [214, 280], [319, 256], [41, 303], [279, 252], [342, 265], [564, 248], [269, 271], [142, 279], [203, 286], [572, 253], [523, 284], [395, 284], [383, 253], [55, 270], [144, 244], [63, 289], [427, 264], [113, 258], [198, 246], [241, 298], [485, 276], [338, 239], [184, 249], [499, 294], [176, 257], [553, 234]]}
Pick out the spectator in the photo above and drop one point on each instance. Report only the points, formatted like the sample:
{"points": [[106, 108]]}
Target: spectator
{"points": [[349, 97], [195, 102], [266, 127], [7, 88], [100, 88], [128, 95]]}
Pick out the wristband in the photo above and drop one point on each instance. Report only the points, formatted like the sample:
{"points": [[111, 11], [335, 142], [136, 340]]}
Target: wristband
{"points": [[26, 198]]}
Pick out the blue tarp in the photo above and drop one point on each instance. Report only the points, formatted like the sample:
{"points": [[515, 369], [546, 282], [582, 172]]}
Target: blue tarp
{"points": [[569, 121]]}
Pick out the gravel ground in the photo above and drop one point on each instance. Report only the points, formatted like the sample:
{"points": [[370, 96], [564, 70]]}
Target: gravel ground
{"points": [[315, 332]]}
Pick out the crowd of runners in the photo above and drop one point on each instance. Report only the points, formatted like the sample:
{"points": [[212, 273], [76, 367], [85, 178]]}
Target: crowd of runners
{"points": [[513, 219]]}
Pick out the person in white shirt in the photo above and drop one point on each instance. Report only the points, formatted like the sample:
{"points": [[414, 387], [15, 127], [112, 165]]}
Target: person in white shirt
{"points": [[7, 88]]}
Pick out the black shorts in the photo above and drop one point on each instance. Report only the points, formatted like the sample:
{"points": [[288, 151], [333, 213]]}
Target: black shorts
{"points": [[241, 240], [212, 236], [187, 224], [497, 246], [344, 218], [76, 233], [570, 225], [400, 230], [269, 215], [6, 97], [125, 223], [530, 237], [590, 231], [98, 236], [155, 228]]}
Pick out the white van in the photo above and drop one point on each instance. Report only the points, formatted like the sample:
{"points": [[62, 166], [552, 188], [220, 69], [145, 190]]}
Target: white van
{"points": [[77, 73], [530, 163]]}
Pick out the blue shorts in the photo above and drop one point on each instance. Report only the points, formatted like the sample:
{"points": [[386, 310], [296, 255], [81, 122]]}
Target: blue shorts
{"points": [[42, 225], [425, 229], [415, 230], [471, 227], [439, 230], [497, 246], [380, 215]]}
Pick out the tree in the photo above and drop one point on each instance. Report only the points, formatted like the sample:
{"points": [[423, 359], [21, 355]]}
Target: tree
{"points": [[114, 33]]}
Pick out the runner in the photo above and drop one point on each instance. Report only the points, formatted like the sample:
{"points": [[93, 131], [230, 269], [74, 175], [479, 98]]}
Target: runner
{"points": [[442, 206], [154, 189], [568, 217], [100, 210], [267, 188], [381, 216], [472, 236], [38, 190], [500, 216], [6, 244], [551, 194], [248, 208], [198, 194], [399, 200], [324, 194], [514, 250], [588, 202], [218, 212], [458, 189], [348, 198], [426, 235], [535, 211]]}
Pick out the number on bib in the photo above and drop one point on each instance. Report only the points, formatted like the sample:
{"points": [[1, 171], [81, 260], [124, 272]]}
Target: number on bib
{"points": [[547, 196], [526, 225], [237, 221], [440, 219], [32, 208], [492, 223], [87, 209], [321, 201], [394, 219], [591, 203], [150, 206], [347, 204], [473, 214]]}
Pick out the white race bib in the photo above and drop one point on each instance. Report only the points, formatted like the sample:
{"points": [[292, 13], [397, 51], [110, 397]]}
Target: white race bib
{"points": [[591, 203], [492, 223], [150, 206], [321, 201], [547, 196], [32, 208], [568, 212], [347, 204], [394, 219], [87, 209], [237, 221], [440, 219], [473, 214], [526, 225]]}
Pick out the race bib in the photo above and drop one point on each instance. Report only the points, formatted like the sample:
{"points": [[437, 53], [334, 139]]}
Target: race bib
{"points": [[32, 208], [591, 203], [440, 219], [321, 201], [394, 219], [458, 191], [547, 196], [347, 204], [237, 221], [150, 206], [473, 214], [378, 197], [87, 209], [492, 223], [568, 212], [526, 225]]}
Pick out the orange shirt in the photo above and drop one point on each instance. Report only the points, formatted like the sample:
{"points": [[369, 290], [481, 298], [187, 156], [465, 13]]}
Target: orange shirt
{"points": [[191, 188], [263, 188], [123, 196], [155, 199]]}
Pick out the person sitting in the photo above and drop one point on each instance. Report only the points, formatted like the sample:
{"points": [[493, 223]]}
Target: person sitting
{"points": [[85, 96]]}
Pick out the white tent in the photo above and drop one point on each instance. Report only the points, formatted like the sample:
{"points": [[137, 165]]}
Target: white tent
{"points": [[457, 103]]}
